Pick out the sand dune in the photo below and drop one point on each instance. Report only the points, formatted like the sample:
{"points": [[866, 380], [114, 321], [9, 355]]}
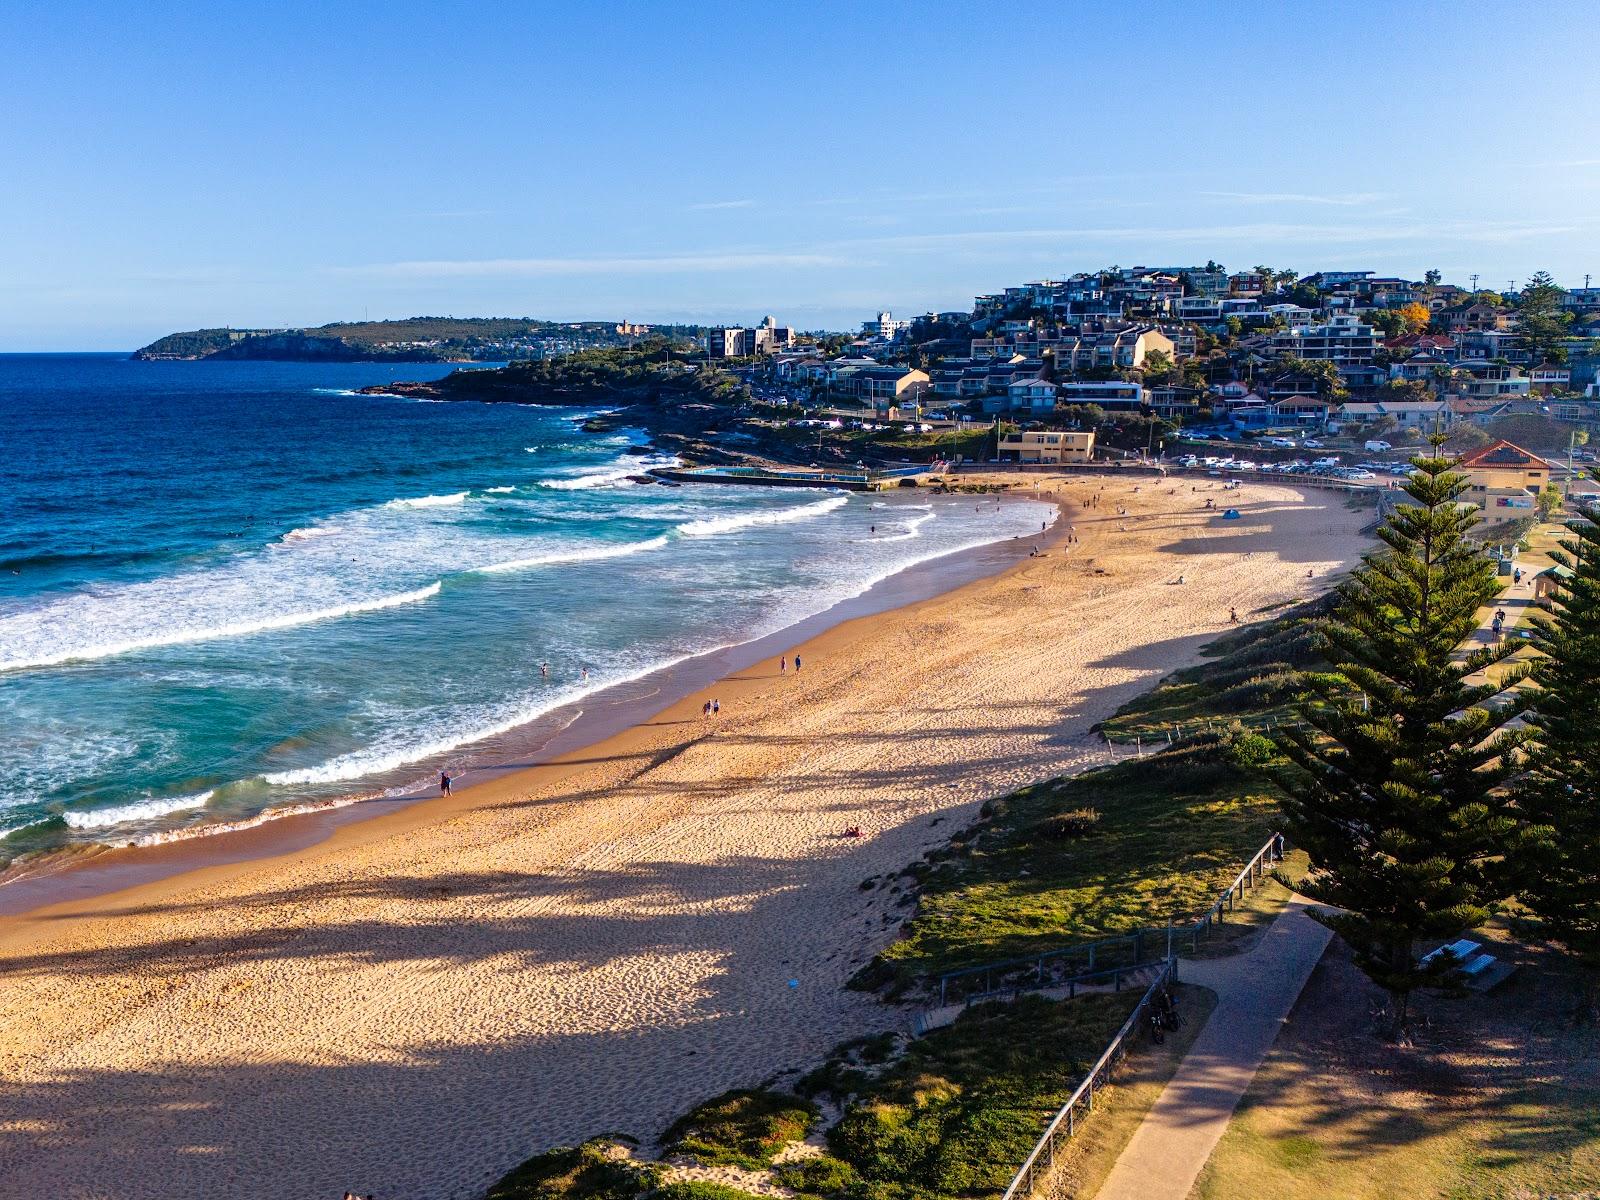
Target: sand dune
{"points": [[416, 1004]]}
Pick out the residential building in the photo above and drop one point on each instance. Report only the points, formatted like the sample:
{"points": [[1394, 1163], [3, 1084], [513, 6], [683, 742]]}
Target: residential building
{"points": [[1422, 415], [885, 326], [1048, 446], [1344, 340], [1503, 472], [765, 338]]}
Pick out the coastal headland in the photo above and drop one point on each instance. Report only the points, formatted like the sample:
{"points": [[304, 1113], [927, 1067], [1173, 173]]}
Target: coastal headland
{"points": [[423, 999]]}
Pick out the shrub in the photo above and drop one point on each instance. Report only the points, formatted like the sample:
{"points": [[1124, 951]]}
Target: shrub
{"points": [[820, 1176], [743, 1127], [592, 1171], [1079, 822], [700, 1189]]}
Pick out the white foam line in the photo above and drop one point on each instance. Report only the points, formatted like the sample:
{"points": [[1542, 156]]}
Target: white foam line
{"points": [[592, 554], [140, 810], [710, 526], [429, 501], [605, 478], [498, 491], [241, 629], [361, 763]]}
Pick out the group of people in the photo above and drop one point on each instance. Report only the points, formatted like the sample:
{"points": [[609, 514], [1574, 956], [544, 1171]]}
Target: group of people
{"points": [[1497, 626], [711, 708]]}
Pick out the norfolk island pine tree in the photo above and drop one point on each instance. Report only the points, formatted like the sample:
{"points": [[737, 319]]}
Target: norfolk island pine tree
{"points": [[1561, 788], [1397, 780]]}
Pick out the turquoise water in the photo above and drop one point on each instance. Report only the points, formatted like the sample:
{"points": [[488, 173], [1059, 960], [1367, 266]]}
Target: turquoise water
{"points": [[233, 589]]}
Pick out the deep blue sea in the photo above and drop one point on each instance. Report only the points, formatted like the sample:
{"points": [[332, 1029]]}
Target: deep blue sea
{"points": [[234, 588]]}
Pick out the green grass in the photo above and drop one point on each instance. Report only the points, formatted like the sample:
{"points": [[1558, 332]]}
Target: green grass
{"points": [[1173, 831], [957, 1112], [1254, 673], [592, 1171], [743, 1128], [700, 1189], [1499, 1099]]}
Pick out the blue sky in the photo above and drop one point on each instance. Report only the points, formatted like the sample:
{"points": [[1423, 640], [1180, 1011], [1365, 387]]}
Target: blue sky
{"points": [[174, 166]]}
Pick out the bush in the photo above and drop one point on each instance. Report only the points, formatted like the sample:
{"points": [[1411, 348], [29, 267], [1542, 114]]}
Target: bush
{"points": [[592, 1171], [699, 1189], [1079, 822], [742, 1128], [820, 1176]]}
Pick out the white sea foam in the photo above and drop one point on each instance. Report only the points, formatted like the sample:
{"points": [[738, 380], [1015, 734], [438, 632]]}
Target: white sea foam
{"points": [[139, 810], [710, 526], [913, 529], [588, 554], [179, 637], [499, 491], [440, 738], [430, 501], [605, 477], [309, 532]]}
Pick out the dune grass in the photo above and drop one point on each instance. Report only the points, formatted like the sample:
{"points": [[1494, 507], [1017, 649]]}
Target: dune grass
{"points": [[1174, 829], [742, 1128], [956, 1112]]}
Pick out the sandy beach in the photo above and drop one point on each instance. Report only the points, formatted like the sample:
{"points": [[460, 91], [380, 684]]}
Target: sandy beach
{"points": [[415, 1004]]}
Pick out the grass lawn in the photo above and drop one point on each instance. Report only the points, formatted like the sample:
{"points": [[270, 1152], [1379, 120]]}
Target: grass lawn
{"points": [[1174, 829], [1498, 1100]]}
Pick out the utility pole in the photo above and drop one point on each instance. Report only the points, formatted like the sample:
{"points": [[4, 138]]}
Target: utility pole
{"points": [[1474, 278]]}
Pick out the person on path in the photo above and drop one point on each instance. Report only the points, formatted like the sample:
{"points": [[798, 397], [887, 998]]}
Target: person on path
{"points": [[444, 783]]}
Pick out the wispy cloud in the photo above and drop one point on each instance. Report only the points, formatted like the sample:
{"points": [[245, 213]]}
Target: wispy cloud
{"points": [[1346, 200], [629, 264], [714, 205]]}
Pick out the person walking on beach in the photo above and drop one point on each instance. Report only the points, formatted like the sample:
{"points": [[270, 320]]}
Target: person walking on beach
{"points": [[705, 709], [797, 664], [716, 708], [444, 783], [783, 664]]}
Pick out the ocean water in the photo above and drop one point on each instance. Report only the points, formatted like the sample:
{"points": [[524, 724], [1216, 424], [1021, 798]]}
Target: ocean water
{"points": [[235, 589]]}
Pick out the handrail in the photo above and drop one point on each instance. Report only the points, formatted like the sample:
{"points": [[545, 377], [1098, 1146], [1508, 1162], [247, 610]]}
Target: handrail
{"points": [[1106, 1060]]}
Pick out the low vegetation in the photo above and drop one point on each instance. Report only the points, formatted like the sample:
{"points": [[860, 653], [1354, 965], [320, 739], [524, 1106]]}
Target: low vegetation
{"points": [[596, 1170], [957, 1111], [1255, 673], [742, 1128], [1172, 831]]}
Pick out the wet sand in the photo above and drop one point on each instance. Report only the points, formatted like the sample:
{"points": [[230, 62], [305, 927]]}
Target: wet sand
{"points": [[418, 1001]]}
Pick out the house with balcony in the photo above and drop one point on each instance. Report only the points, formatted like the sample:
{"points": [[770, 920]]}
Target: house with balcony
{"points": [[1344, 340], [1476, 317], [1048, 446]]}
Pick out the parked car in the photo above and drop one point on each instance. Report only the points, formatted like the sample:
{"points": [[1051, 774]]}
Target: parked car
{"points": [[1377, 444], [1325, 464]]}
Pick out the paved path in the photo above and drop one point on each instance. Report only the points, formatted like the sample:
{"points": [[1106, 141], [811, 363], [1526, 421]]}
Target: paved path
{"points": [[1255, 992]]}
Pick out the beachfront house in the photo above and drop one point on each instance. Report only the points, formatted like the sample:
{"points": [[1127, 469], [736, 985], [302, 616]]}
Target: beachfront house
{"points": [[1048, 446], [1504, 475]]}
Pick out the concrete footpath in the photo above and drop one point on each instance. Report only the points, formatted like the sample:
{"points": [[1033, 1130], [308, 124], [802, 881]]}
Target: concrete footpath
{"points": [[1255, 992]]}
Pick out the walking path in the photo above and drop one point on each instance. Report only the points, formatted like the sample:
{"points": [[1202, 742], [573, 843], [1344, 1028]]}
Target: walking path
{"points": [[1255, 992]]}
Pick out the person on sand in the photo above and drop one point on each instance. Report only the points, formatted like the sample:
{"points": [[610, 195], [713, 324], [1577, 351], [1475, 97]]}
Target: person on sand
{"points": [[444, 783], [797, 664], [1233, 615], [783, 664], [705, 709], [716, 708]]}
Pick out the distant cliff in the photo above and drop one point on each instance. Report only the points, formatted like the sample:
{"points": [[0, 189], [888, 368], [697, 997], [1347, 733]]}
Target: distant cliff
{"points": [[414, 339]]}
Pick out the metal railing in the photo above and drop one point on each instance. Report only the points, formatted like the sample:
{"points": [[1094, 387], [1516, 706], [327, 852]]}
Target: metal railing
{"points": [[1065, 1123]]}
